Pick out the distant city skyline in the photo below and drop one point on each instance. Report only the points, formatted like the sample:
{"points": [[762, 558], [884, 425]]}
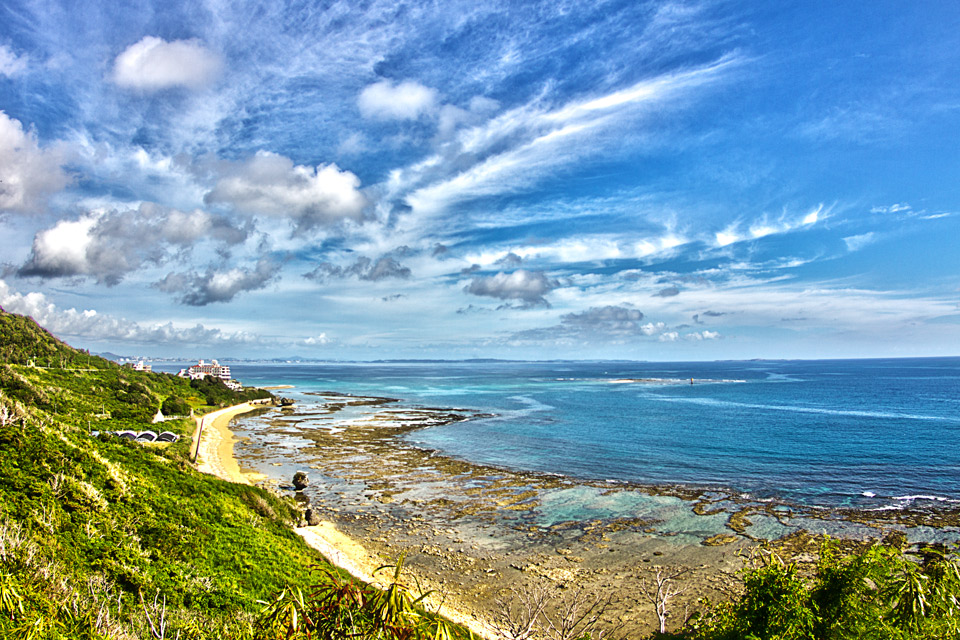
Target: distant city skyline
{"points": [[529, 181]]}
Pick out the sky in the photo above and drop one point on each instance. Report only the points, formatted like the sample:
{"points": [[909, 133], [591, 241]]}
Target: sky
{"points": [[526, 180]]}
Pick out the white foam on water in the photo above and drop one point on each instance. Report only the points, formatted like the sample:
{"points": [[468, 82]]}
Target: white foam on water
{"points": [[924, 497], [532, 404], [711, 402]]}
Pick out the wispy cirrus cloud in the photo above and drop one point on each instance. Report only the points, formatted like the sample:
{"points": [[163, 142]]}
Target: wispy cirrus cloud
{"points": [[862, 123], [586, 248], [766, 225], [518, 147], [897, 207]]}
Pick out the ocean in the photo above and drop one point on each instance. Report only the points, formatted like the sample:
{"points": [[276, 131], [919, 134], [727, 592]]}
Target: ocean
{"points": [[484, 476], [869, 434]]}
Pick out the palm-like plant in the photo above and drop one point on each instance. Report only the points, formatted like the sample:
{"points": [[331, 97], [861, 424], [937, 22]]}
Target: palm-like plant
{"points": [[340, 608]]}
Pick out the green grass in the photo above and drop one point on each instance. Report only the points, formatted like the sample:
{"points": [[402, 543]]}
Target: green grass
{"points": [[86, 521], [102, 537]]}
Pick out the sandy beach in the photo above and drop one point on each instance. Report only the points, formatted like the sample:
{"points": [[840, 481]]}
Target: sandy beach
{"points": [[214, 450], [215, 456], [345, 552]]}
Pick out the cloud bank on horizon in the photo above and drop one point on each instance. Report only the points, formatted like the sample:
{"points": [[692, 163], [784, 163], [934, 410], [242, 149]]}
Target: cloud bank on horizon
{"points": [[651, 180]]}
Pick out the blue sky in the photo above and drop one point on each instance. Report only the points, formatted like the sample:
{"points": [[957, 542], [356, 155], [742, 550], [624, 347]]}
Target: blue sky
{"points": [[645, 180]]}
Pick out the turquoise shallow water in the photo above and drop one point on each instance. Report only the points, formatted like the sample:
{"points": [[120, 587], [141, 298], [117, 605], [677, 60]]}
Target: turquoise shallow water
{"points": [[869, 434]]}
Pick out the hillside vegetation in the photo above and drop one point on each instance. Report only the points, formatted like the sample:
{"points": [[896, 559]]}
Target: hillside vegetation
{"points": [[89, 525], [102, 537]]}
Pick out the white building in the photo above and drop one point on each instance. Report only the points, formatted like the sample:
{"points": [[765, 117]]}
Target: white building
{"points": [[203, 369]]}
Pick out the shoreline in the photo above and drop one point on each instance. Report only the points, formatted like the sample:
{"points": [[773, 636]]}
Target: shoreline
{"points": [[214, 452], [343, 551], [475, 532], [468, 532], [215, 456]]}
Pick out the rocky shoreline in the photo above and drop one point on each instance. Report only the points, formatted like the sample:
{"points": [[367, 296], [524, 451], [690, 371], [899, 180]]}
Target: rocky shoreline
{"points": [[477, 533]]}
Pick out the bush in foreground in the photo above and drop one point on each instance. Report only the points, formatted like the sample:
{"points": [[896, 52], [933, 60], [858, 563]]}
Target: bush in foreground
{"points": [[880, 593]]}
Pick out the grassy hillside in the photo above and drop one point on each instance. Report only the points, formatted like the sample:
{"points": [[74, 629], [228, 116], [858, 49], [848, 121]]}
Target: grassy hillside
{"points": [[23, 342], [89, 525], [102, 537]]}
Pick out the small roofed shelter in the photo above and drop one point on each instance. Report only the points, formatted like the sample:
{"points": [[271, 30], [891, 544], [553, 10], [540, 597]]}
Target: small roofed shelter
{"points": [[159, 417], [127, 435], [167, 436], [147, 436]]}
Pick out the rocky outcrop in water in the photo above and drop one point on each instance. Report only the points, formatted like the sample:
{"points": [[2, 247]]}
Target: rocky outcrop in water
{"points": [[300, 481]]}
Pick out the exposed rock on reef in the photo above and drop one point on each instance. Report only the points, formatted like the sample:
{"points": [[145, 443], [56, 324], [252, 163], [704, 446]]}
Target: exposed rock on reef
{"points": [[300, 481]]}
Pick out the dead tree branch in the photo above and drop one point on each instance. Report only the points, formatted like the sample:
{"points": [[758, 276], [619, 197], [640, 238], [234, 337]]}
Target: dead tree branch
{"points": [[660, 588]]}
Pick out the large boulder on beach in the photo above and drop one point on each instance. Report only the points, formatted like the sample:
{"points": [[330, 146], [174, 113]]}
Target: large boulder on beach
{"points": [[300, 481], [312, 517]]}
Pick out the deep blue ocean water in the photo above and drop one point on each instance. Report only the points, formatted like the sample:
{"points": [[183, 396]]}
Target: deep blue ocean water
{"points": [[865, 433]]}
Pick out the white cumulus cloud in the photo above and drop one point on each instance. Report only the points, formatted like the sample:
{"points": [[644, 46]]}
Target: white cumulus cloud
{"points": [[28, 173], [529, 287], [153, 64], [62, 249], [407, 100], [271, 184], [108, 244], [702, 335], [92, 325]]}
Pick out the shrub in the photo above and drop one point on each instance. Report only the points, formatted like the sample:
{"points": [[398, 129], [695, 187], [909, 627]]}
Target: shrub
{"points": [[881, 592], [174, 406]]}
